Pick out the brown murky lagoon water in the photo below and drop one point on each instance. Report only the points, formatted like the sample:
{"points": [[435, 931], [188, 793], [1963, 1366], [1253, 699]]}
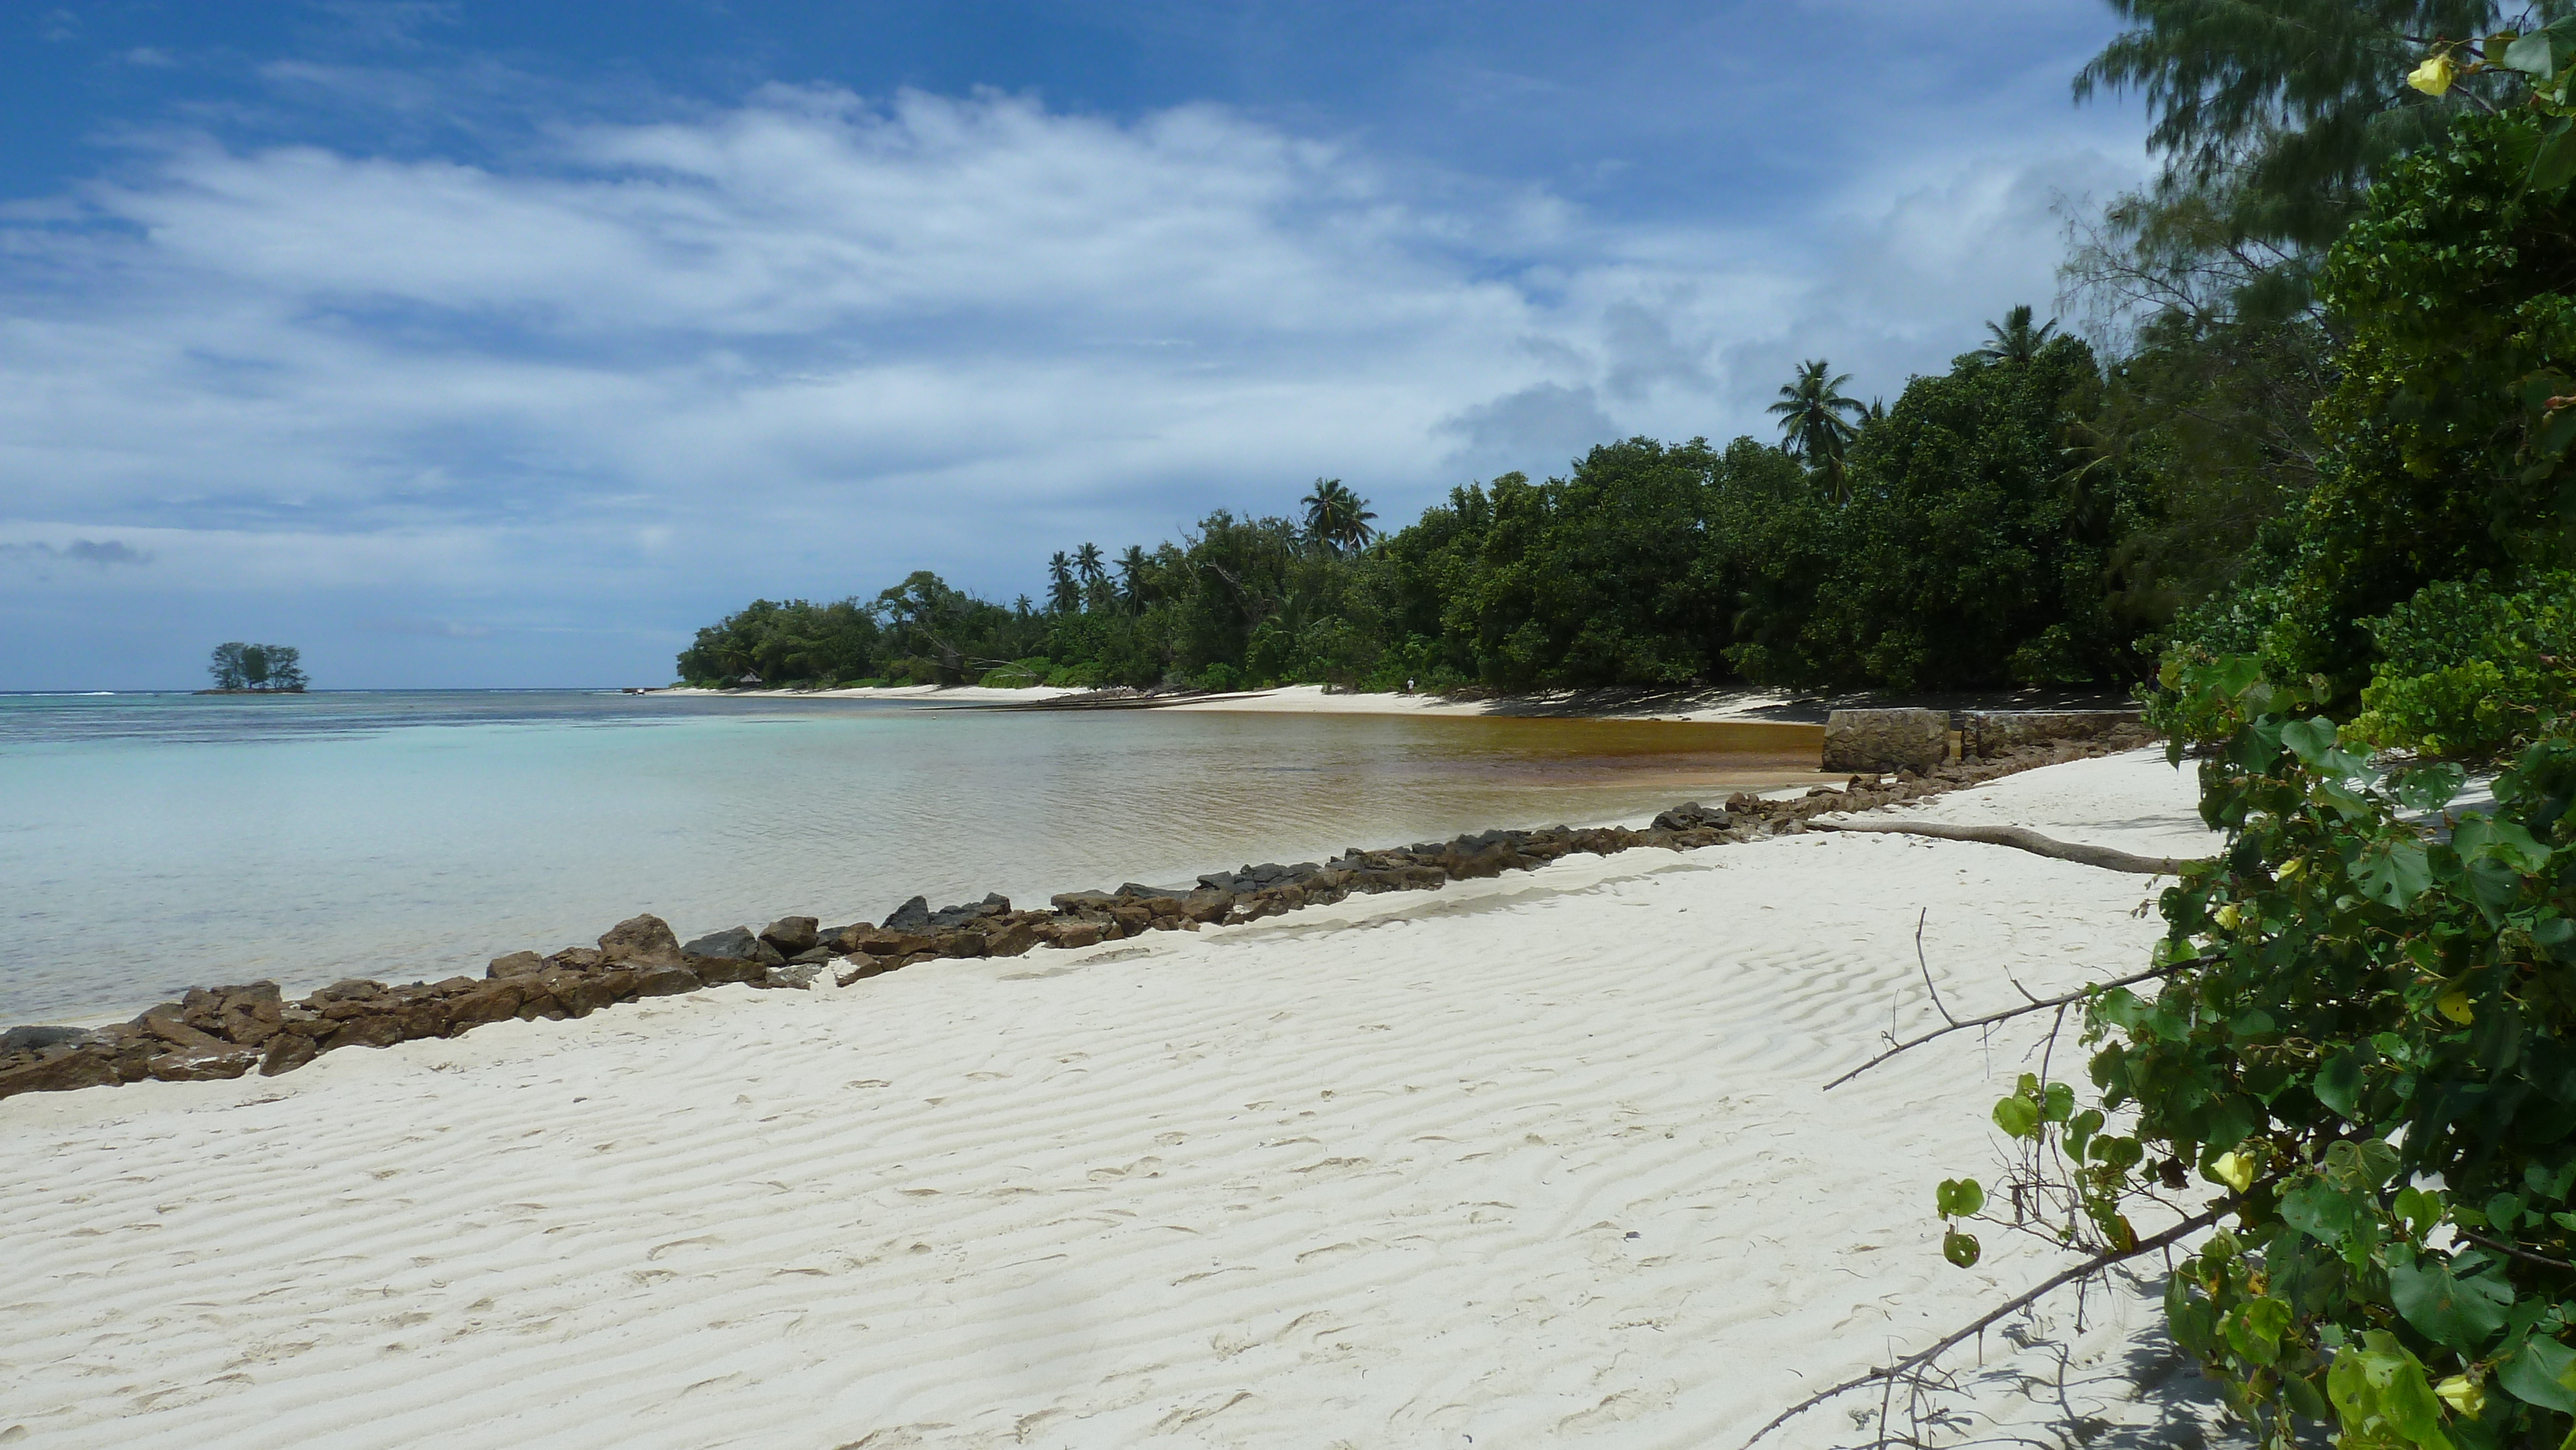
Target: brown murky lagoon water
{"points": [[148, 843]]}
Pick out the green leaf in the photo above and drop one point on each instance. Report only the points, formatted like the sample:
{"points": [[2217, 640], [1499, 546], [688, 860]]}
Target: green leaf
{"points": [[2254, 1328], [2391, 871], [1959, 1197], [2304, 1399], [2018, 1116], [2542, 1372], [2493, 885], [2378, 1379], [2058, 1104], [2339, 1083], [2080, 1132], [2536, 54], [2256, 744], [2311, 740], [2320, 1210], [1960, 1249], [2431, 787], [2420, 1210], [2555, 162], [2462, 1313]]}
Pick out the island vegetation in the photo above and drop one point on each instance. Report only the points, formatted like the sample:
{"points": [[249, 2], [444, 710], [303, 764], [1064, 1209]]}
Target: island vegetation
{"points": [[256, 669]]}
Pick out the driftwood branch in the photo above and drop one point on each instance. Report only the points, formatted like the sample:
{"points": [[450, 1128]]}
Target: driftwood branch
{"points": [[2035, 1004], [1922, 1359], [2020, 839]]}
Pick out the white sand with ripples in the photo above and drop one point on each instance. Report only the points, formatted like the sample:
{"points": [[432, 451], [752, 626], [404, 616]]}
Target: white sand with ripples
{"points": [[1525, 1161]]}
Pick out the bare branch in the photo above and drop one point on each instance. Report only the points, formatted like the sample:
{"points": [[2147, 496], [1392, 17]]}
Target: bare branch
{"points": [[1922, 1359], [2020, 839], [1927, 968], [2041, 1004]]}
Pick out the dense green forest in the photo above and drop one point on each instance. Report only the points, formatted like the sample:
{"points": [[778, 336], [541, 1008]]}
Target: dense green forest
{"points": [[2031, 516]]}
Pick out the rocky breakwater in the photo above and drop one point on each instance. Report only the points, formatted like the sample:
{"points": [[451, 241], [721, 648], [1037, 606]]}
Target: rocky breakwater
{"points": [[223, 1032]]}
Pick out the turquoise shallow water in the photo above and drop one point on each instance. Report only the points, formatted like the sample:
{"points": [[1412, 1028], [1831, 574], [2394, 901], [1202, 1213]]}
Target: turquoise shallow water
{"points": [[153, 842]]}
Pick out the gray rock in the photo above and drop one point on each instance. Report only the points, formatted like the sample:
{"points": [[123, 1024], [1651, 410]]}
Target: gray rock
{"points": [[28, 1039], [798, 976], [950, 918], [733, 944], [792, 934], [1880, 740], [1986, 733], [640, 941], [912, 917], [812, 957]]}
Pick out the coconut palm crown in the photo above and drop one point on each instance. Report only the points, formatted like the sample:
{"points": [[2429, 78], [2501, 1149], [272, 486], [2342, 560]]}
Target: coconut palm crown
{"points": [[2014, 340], [1337, 518], [1816, 422]]}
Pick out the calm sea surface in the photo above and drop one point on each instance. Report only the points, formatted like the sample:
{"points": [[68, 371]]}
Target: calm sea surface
{"points": [[153, 842]]}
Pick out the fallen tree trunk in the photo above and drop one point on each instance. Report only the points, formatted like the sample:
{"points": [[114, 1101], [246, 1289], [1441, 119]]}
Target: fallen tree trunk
{"points": [[2020, 839]]}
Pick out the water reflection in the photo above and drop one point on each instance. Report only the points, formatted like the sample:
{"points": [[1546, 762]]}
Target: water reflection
{"points": [[149, 844]]}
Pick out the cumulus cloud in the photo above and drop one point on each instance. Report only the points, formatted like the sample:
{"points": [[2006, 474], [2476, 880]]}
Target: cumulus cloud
{"points": [[810, 342]]}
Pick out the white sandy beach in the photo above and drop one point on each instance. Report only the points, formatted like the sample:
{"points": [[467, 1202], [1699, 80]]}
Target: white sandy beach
{"points": [[1532, 1160]]}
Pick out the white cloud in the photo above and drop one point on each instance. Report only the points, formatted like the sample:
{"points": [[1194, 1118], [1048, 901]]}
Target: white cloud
{"points": [[807, 344]]}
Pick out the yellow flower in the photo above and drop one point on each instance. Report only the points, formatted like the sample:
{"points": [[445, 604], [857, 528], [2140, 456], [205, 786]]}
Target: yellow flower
{"points": [[2462, 1394], [2235, 1170], [2229, 915], [2293, 867], [2455, 1005], [2434, 76]]}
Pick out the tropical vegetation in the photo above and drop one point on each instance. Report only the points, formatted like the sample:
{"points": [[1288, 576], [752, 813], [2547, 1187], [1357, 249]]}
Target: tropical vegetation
{"points": [[256, 667]]}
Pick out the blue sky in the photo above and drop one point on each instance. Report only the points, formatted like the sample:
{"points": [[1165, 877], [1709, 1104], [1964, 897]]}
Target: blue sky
{"points": [[503, 344]]}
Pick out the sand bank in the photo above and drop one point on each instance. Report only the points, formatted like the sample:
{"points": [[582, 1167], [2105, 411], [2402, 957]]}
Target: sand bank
{"points": [[1533, 1159]]}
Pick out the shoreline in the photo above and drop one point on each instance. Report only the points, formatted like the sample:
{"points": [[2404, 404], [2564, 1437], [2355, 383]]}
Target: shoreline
{"points": [[1709, 706], [216, 1032], [1518, 1159]]}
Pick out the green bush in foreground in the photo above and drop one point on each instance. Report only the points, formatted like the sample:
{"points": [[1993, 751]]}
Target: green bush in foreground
{"points": [[2358, 1068]]}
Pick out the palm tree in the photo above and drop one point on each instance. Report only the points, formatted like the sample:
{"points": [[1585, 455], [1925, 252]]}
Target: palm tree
{"points": [[1131, 576], [2014, 340], [1086, 565], [1337, 518], [1063, 594], [1814, 427]]}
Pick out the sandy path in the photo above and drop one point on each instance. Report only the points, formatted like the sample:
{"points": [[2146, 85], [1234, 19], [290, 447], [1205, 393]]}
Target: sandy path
{"points": [[1533, 1160]]}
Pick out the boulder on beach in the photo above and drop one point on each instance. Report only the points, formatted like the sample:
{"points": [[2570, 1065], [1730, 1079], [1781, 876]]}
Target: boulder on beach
{"points": [[1883, 740], [516, 964], [791, 934], [29, 1039], [733, 944], [640, 941], [911, 918]]}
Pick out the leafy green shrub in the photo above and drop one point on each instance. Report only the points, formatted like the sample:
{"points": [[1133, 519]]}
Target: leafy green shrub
{"points": [[2363, 1051], [2468, 672], [2440, 459]]}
